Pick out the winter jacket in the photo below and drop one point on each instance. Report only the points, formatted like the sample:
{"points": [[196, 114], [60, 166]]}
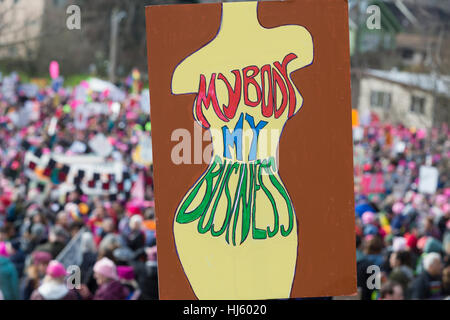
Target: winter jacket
{"points": [[52, 290], [9, 282], [112, 290], [426, 287]]}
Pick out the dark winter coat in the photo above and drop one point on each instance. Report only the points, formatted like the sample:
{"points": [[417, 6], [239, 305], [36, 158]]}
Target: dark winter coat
{"points": [[112, 290]]}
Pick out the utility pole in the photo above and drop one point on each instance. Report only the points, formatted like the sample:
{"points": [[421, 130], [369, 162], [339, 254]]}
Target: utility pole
{"points": [[357, 65], [116, 17]]}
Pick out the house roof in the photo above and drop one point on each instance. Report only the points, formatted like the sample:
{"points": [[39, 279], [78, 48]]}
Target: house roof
{"points": [[426, 82]]}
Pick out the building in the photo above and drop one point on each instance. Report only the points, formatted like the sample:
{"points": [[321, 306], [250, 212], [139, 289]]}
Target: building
{"points": [[21, 23], [415, 100], [413, 34]]}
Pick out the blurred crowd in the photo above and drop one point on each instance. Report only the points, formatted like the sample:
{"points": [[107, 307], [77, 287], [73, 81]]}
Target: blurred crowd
{"points": [[402, 209], [43, 227], [402, 217]]}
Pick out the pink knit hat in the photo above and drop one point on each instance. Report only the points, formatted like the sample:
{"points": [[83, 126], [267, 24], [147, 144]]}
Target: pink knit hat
{"points": [[41, 257], [368, 217], [56, 269], [398, 207], [107, 268], [125, 272], [4, 252]]}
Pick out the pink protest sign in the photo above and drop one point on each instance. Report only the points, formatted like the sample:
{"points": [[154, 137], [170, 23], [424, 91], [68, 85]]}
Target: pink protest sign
{"points": [[54, 70], [372, 183]]}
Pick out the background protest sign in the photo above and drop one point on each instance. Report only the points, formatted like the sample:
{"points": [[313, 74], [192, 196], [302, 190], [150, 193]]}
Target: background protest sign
{"points": [[101, 145], [315, 151], [428, 179], [72, 254], [143, 154]]}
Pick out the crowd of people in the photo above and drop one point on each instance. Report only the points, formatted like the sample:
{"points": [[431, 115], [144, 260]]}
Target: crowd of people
{"points": [[401, 229], [114, 237], [402, 212]]}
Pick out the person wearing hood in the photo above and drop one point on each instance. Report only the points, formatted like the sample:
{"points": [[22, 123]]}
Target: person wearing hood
{"points": [[35, 272], [9, 282], [110, 288], [53, 286]]}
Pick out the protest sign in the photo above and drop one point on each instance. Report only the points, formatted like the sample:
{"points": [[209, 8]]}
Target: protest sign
{"points": [[99, 85], [78, 147], [54, 70], [81, 117], [355, 118], [144, 154], [72, 254], [400, 147], [92, 174], [249, 224], [428, 179], [96, 108], [145, 101], [358, 133], [101, 145], [372, 183]]}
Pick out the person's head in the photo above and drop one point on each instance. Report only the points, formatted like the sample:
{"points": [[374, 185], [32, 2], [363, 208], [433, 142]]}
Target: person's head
{"points": [[105, 271], [75, 227], [108, 225], [391, 291], [74, 196], [62, 219], [446, 277], [99, 212], [39, 217], [58, 234], [41, 260], [4, 233], [38, 232], [87, 243], [428, 224], [55, 271], [432, 263], [136, 222], [374, 245], [150, 213], [400, 258]]}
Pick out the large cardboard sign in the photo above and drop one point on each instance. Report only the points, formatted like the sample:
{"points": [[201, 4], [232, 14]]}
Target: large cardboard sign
{"points": [[261, 204]]}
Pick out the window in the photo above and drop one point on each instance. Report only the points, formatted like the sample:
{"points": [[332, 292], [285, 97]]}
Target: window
{"points": [[380, 99], [417, 104]]}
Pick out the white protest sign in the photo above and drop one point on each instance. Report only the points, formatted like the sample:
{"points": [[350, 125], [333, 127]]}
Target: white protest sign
{"points": [[428, 179], [29, 89], [72, 254], [400, 147], [145, 101], [52, 126], [81, 117], [78, 147], [146, 149], [358, 133], [96, 108], [100, 145]]}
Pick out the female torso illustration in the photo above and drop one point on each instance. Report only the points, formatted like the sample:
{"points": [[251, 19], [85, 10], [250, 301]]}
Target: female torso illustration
{"points": [[235, 229]]}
